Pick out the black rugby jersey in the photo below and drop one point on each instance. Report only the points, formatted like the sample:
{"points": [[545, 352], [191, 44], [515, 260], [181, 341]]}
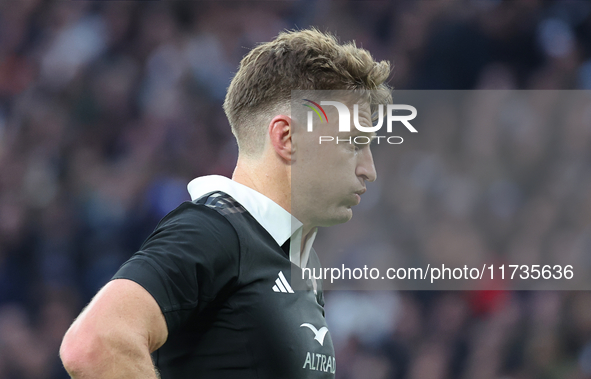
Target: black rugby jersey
{"points": [[226, 291]]}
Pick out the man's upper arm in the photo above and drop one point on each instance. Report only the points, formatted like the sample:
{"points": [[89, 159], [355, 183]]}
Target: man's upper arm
{"points": [[124, 307]]}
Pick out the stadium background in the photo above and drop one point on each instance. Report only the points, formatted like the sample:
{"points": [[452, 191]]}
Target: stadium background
{"points": [[108, 109]]}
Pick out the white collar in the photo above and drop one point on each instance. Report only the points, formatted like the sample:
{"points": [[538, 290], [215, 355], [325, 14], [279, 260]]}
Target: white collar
{"points": [[278, 222]]}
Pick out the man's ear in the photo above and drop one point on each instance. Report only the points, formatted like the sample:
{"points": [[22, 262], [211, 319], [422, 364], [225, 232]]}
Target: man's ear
{"points": [[280, 134]]}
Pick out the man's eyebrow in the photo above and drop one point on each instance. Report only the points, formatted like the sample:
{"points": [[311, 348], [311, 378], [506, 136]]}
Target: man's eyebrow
{"points": [[357, 133], [368, 134]]}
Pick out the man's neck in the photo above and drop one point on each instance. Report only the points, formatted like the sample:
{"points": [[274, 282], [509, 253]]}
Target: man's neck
{"points": [[255, 174], [307, 231], [277, 187]]}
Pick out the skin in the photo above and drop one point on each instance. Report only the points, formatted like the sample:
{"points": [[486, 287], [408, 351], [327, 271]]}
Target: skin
{"points": [[327, 177], [115, 334]]}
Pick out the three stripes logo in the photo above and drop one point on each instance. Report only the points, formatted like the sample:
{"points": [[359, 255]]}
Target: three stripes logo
{"points": [[281, 284]]}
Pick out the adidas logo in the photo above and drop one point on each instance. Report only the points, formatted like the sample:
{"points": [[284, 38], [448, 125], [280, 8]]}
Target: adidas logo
{"points": [[281, 284]]}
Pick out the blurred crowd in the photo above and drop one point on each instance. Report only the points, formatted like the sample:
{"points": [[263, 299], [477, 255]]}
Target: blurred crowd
{"points": [[108, 109]]}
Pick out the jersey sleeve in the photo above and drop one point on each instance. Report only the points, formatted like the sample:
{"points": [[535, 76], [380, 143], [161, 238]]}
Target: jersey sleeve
{"points": [[190, 260]]}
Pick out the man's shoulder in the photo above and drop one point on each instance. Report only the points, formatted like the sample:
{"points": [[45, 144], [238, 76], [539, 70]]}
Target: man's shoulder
{"points": [[191, 232], [206, 214], [210, 207], [220, 202]]}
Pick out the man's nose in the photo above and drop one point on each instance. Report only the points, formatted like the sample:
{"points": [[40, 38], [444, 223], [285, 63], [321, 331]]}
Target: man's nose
{"points": [[365, 167]]}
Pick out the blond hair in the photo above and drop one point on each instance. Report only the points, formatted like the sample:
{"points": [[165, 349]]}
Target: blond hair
{"points": [[295, 60]]}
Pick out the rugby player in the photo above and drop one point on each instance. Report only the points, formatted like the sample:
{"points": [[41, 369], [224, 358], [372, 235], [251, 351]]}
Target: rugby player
{"points": [[209, 294]]}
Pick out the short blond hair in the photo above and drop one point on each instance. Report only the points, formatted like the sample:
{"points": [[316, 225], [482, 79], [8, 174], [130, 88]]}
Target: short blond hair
{"points": [[295, 60]]}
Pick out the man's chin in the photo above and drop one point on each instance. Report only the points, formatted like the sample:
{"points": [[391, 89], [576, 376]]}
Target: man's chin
{"points": [[340, 217]]}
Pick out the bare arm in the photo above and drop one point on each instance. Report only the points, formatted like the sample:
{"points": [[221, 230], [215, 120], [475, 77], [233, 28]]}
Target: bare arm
{"points": [[114, 336]]}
